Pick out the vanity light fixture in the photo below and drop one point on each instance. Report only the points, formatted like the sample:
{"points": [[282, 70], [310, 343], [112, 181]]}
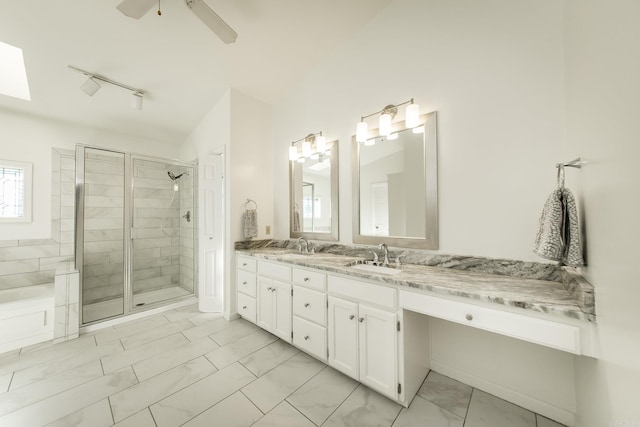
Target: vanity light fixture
{"points": [[91, 86], [412, 120], [314, 145]]}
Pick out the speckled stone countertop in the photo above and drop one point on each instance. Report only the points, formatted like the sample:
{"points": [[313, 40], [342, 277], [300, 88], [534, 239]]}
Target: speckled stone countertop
{"points": [[565, 295]]}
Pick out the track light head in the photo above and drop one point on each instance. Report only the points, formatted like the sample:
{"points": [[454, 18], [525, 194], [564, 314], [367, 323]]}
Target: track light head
{"points": [[90, 87]]}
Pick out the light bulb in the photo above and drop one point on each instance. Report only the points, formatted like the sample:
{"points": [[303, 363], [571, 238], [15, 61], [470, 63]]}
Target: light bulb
{"points": [[306, 148], [362, 132], [412, 115], [321, 144], [293, 153], [385, 125]]}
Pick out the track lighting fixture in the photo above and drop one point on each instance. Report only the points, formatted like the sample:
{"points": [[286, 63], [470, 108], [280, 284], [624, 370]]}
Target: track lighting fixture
{"points": [[385, 128], [91, 86]]}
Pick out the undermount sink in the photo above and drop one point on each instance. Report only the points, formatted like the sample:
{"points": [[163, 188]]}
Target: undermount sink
{"points": [[376, 269]]}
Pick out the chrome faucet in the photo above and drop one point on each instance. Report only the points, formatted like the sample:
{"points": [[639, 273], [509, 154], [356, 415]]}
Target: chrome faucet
{"points": [[302, 240], [383, 246]]}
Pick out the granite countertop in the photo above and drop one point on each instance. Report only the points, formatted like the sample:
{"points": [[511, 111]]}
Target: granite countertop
{"points": [[554, 297]]}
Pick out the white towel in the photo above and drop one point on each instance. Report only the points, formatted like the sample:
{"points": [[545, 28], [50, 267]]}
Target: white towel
{"points": [[558, 236], [250, 223], [296, 219]]}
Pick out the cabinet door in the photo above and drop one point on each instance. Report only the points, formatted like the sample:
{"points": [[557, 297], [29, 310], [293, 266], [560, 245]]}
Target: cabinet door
{"points": [[343, 336], [378, 348], [265, 303], [282, 310]]}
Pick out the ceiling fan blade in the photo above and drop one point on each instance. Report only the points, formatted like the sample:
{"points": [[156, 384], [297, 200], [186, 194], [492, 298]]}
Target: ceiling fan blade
{"points": [[212, 20], [136, 8]]}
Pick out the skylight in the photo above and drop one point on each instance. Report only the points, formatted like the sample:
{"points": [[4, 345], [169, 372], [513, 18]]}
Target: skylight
{"points": [[13, 74]]}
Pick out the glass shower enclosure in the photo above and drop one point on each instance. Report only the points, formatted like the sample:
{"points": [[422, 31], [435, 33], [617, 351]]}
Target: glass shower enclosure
{"points": [[135, 232]]}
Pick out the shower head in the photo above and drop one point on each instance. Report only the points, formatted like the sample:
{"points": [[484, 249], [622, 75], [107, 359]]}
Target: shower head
{"points": [[175, 177]]}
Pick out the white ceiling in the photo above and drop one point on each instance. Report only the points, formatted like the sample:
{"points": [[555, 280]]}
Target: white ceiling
{"points": [[175, 59]]}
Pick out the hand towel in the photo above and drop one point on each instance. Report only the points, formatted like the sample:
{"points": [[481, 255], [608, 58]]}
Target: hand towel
{"points": [[296, 219], [250, 223], [558, 236]]}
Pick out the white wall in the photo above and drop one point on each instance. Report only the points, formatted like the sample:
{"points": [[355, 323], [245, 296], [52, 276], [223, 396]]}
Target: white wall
{"points": [[30, 139], [493, 70], [602, 108]]}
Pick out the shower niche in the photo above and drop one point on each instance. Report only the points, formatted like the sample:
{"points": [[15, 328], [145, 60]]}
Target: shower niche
{"points": [[135, 236]]}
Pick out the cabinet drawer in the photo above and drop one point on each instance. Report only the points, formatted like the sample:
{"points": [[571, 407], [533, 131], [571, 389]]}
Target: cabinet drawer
{"points": [[246, 263], [310, 279], [310, 305], [362, 291], [310, 337], [247, 307], [247, 283], [274, 271], [540, 331]]}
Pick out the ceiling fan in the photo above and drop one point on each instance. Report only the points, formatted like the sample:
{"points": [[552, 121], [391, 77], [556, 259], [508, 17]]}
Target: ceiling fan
{"points": [[138, 8]]}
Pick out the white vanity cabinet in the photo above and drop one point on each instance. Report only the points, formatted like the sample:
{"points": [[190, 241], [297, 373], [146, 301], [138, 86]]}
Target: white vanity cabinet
{"points": [[246, 285], [274, 299], [310, 312], [363, 333]]}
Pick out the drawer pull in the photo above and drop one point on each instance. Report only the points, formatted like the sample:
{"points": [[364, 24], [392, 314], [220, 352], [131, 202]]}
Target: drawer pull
{"points": [[306, 304], [469, 316], [361, 319], [244, 264], [351, 317], [306, 337], [244, 307], [306, 279]]}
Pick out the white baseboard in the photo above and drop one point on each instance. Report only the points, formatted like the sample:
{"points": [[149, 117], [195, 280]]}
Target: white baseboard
{"points": [[546, 409]]}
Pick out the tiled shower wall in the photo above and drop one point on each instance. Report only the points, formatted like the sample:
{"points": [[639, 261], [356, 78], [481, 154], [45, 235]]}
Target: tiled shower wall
{"points": [[34, 261]]}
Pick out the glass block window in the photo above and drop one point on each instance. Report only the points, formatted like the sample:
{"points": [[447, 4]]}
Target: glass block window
{"points": [[15, 191]]}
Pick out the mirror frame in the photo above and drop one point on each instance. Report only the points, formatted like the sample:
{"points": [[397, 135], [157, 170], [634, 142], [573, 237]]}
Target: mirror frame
{"points": [[334, 234], [430, 240]]}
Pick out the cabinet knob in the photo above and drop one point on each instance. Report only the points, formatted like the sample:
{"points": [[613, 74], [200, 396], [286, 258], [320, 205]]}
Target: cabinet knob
{"points": [[244, 264], [306, 337], [469, 316], [244, 283], [361, 319], [351, 317], [244, 307], [306, 304], [270, 288], [273, 289], [306, 279]]}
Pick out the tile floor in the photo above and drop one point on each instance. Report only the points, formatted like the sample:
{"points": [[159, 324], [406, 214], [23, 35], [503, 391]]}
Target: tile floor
{"points": [[184, 368]]}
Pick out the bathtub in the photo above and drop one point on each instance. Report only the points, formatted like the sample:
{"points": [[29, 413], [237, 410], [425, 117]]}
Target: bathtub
{"points": [[26, 316]]}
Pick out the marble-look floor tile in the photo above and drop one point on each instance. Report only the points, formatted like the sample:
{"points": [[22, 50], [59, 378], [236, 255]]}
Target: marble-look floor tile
{"points": [[284, 415], [276, 385], [237, 329], [170, 359], [67, 402], [129, 357], [234, 411], [268, 357], [5, 380], [546, 422], [321, 395], [204, 318], [154, 334], [206, 329], [134, 399], [187, 403], [447, 393], [96, 415], [24, 396], [141, 419], [486, 410], [423, 412], [365, 408], [130, 328], [71, 361], [225, 356]]}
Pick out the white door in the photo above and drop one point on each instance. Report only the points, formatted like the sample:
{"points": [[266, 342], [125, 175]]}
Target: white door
{"points": [[343, 336], [378, 345], [266, 296], [211, 221], [282, 310]]}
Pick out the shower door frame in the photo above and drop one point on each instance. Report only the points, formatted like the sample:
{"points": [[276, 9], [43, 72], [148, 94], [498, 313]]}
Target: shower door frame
{"points": [[128, 308]]}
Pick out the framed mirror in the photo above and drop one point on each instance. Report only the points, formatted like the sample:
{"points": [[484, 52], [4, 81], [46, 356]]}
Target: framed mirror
{"points": [[395, 187], [313, 189]]}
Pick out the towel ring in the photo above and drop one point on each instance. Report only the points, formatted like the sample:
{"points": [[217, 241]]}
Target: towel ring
{"points": [[560, 176], [247, 205]]}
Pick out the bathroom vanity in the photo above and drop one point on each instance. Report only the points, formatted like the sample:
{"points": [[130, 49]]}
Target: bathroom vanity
{"points": [[372, 323]]}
